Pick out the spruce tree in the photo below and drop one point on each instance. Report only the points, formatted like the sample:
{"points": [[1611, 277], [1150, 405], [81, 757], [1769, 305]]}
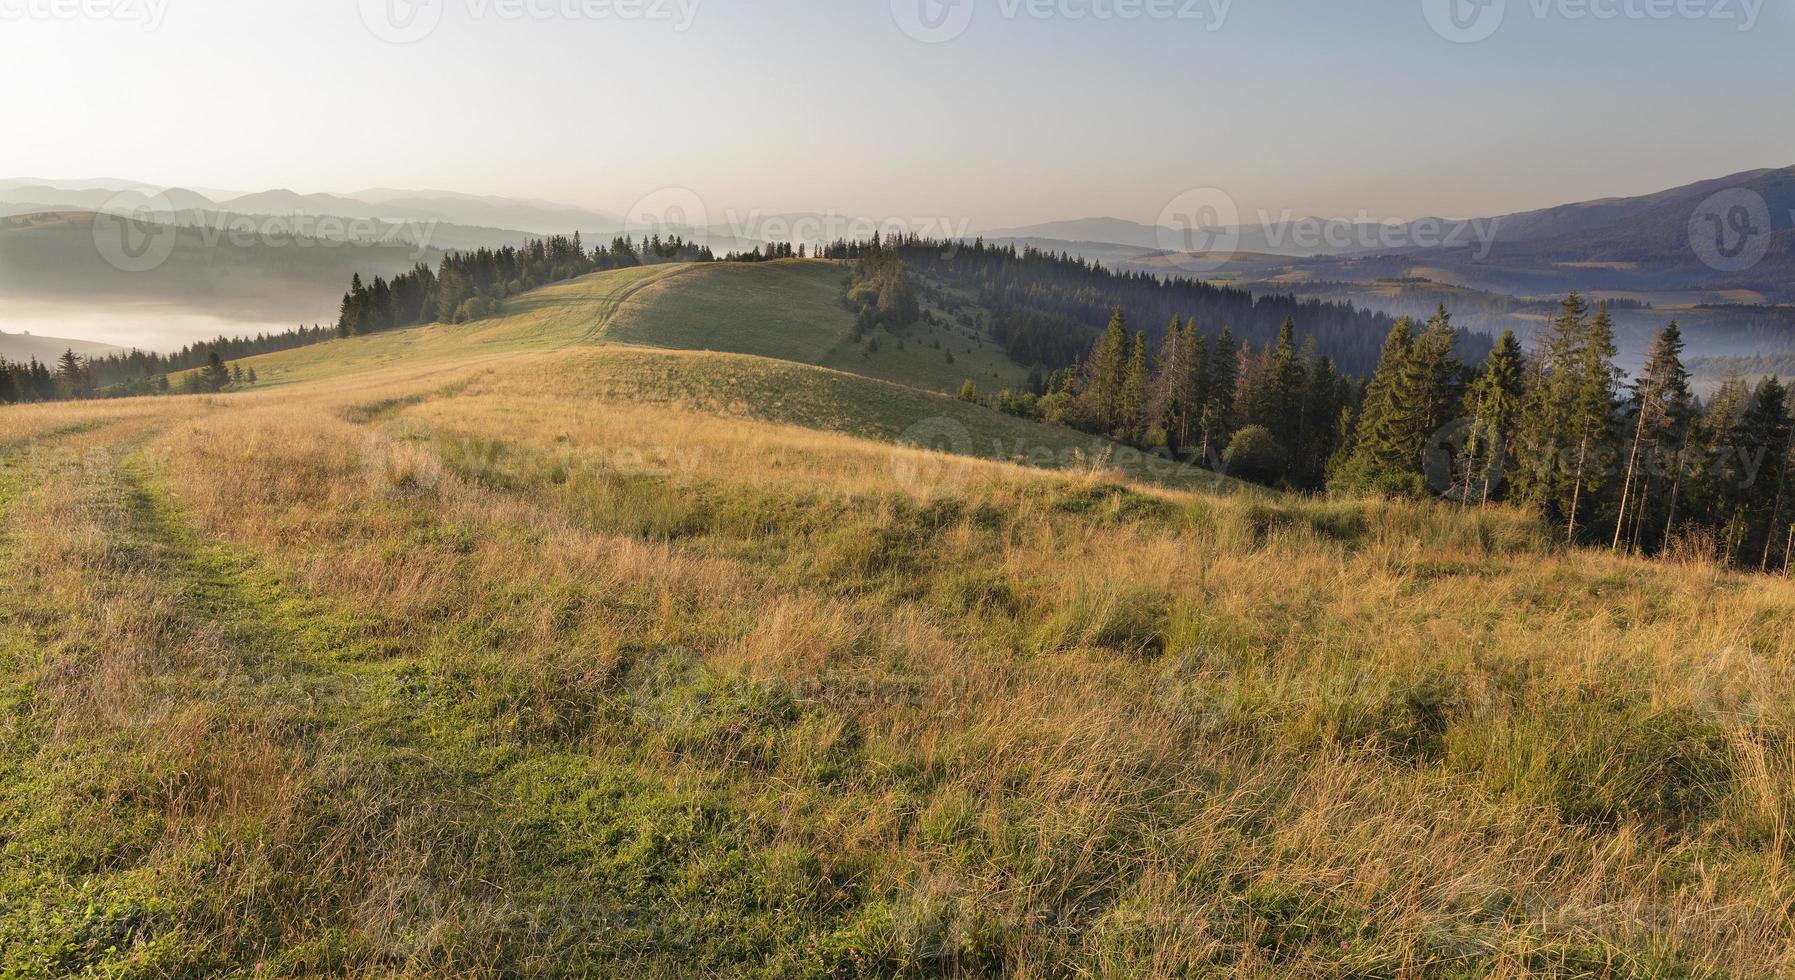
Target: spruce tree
{"points": [[1379, 457], [69, 375], [378, 314], [1713, 480], [1218, 405], [1196, 383], [1281, 397], [215, 375], [1592, 414], [1104, 374], [1762, 439], [1542, 473], [1324, 396], [43, 383], [1431, 384], [1778, 462], [1659, 411], [1494, 401], [1168, 402], [1131, 408], [1250, 387]]}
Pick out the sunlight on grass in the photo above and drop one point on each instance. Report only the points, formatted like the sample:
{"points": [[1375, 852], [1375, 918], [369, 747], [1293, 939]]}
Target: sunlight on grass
{"points": [[492, 661]]}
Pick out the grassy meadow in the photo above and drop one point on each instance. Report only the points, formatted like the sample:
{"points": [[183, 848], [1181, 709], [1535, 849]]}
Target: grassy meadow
{"points": [[792, 310], [536, 647]]}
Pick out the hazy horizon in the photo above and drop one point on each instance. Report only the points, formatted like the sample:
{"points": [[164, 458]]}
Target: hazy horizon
{"points": [[722, 215]]}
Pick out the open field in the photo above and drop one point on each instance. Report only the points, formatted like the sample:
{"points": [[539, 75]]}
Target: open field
{"points": [[508, 649]]}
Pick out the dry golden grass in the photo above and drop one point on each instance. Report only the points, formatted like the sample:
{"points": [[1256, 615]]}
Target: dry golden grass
{"points": [[453, 669]]}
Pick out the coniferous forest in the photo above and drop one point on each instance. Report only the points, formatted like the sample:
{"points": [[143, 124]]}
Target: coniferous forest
{"points": [[136, 372], [470, 285], [1303, 404], [1046, 308], [1273, 414], [1638, 464]]}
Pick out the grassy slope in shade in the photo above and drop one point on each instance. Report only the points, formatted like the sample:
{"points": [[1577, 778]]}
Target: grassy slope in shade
{"points": [[578, 330], [544, 319], [792, 310], [800, 395]]}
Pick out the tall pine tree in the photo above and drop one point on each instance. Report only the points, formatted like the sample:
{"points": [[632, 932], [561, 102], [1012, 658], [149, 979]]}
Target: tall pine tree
{"points": [[1105, 371]]}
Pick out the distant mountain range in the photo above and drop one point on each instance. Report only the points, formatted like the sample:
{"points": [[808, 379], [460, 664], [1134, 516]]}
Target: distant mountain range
{"points": [[1718, 241], [438, 219], [516, 217], [1732, 237], [1726, 245], [1705, 232], [1650, 228]]}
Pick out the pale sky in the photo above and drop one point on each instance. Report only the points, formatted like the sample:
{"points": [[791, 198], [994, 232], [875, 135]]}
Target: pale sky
{"points": [[1328, 107]]}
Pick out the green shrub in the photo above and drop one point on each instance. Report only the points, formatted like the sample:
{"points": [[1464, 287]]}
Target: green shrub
{"points": [[1254, 455]]}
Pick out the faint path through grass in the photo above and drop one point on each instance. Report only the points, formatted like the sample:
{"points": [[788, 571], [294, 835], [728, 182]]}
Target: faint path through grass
{"points": [[206, 770]]}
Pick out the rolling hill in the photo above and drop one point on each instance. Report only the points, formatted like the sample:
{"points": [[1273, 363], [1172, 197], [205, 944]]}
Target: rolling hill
{"points": [[766, 341], [792, 310], [558, 644], [25, 346]]}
